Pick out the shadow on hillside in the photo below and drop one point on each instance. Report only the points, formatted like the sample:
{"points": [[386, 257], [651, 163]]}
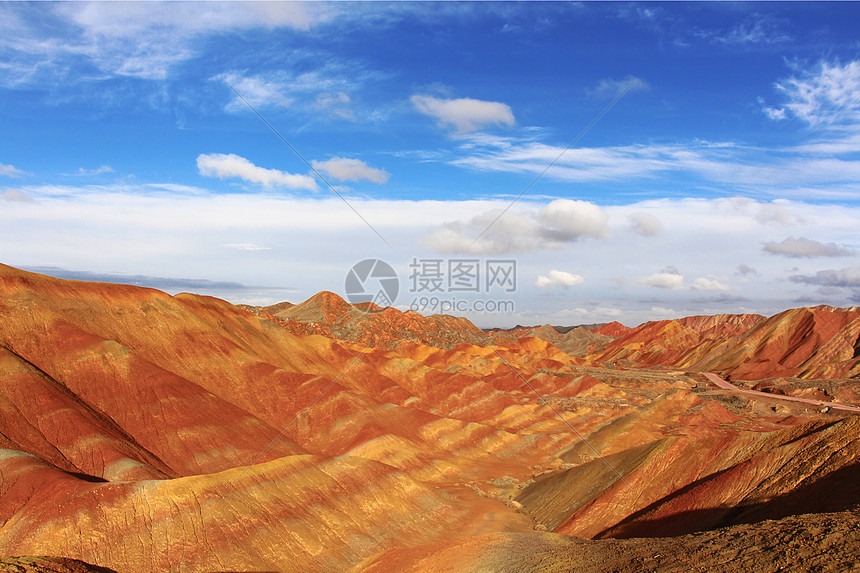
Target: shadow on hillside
{"points": [[837, 491]]}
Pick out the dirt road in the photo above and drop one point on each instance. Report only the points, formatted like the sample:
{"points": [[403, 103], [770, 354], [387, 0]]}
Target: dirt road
{"points": [[729, 386]]}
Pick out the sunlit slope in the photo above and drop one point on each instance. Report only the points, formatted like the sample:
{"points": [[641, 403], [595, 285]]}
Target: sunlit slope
{"points": [[820, 342]]}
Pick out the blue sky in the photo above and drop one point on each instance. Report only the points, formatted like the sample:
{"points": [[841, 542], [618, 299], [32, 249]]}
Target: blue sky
{"points": [[725, 179]]}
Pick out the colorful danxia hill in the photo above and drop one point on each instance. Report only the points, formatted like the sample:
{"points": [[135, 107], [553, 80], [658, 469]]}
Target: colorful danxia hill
{"points": [[142, 432]]}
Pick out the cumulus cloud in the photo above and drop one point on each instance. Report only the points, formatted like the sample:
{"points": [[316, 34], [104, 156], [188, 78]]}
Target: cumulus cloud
{"points": [[344, 169], [10, 171], [561, 221], [570, 220], [503, 232], [464, 114], [644, 224], [703, 283], [670, 278], [558, 279], [226, 166], [802, 247], [847, 277]]}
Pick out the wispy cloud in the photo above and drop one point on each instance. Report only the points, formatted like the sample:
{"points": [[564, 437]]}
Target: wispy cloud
{"points": [[757, 29], [823, 95], [801, 247], [847, 277], [335, 104], [612, 87], [345, 169], [10, 171], [246, 247], [130, 39], [229, 166], [323, 91], [81, 172], [465, 114], [257, 91], [786, 172]]}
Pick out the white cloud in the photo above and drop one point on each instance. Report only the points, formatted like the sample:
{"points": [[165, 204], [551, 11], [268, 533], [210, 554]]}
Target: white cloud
{"points": [[345, 169], [703, 283], [847, 277], [10, 171], [611, 87], [802, 247], [757, 30], [258, 91], [578, 164], [324, 90], [550, 227], [745, 270], [669, 278], [143, 40], [247, 247], [558, 279], [16, 196], [774, 114], [645, 224], [464, 114], [806, 171], [225, 166], [335, 104], [492, 232], [774, 213], [315, 239], [823, 95], [89, 172], [570, 220]]}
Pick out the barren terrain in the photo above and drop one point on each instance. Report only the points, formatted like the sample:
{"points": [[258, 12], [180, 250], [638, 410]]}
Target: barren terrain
{"points": [[148, 432]]}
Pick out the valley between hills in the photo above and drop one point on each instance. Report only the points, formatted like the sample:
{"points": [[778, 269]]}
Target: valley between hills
{"points": [[146, 432]]}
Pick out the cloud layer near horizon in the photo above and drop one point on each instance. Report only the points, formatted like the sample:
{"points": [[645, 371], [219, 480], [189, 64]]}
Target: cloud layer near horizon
{"points": [[705, 246]]}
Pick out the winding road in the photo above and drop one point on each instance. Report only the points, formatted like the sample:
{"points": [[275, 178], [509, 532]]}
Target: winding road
{"points": [[729, 386]]}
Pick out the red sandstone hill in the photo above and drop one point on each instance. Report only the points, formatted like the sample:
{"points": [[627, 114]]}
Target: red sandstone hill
{"points": [[820, 342], [147, 432], [614, 329], [329, 315]]}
